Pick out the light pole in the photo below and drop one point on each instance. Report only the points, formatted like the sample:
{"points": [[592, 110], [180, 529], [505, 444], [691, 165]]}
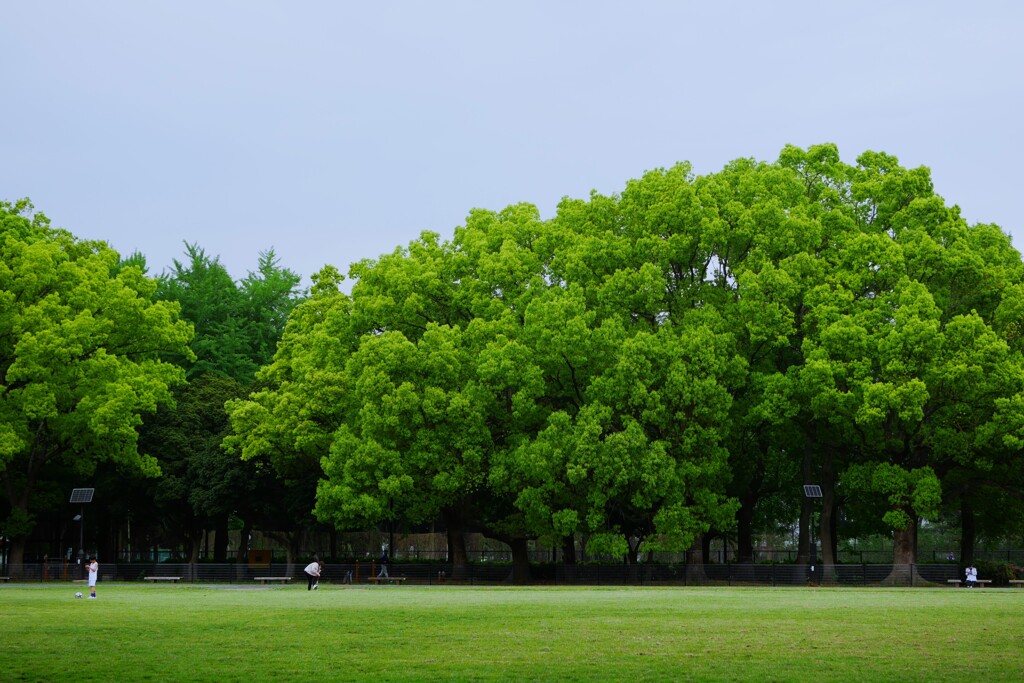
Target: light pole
{"points": [[81, 496], [80, 518], [812, 492]]}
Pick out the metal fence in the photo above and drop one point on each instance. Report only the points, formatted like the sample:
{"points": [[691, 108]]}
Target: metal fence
{"points": [[495, 573]]}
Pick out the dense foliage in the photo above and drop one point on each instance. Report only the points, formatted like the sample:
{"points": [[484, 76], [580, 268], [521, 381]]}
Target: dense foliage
{"points": [[647, 368], [640, 372], [82, 348]]}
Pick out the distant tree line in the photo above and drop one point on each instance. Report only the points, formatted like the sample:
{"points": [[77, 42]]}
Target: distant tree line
{"points": [[641, 372]]}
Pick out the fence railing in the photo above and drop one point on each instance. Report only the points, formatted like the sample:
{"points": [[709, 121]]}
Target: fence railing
{"points": [[495, 573]]}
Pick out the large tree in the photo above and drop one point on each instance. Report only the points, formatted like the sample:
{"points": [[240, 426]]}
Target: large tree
{"points": [[901, 364], [81, 358], [237, 327]]}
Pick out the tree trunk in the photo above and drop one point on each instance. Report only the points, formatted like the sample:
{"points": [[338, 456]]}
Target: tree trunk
{"points": [[16, 556], [220, 539], [457, 554], [827, 528], [803, 550], [569, 550], [967, 532], [904, 557], [695, 561], [632, 551], [243, 542], [292, 552], [195, 544], [745, 529], [569, 563], [18, 525], [520, 561]]}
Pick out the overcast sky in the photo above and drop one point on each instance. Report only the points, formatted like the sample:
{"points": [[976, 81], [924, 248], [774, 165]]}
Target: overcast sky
{"points": [[336, 131]]}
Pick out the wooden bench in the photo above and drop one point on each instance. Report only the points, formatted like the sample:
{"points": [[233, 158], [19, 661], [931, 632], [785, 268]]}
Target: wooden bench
{"points": [[1017, 582], [174, 579], [386, 579], [980, 582], [272, 579], [5, 578]]}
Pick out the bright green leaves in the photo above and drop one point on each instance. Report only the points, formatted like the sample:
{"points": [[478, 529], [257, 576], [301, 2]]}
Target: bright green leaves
{"points": [[414, 430], [84, 353], [910, 494], [593, 373]]}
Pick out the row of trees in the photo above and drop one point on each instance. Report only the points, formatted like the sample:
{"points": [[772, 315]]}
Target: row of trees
{"points": [[642, 371], [648, 369], [119, 380]]}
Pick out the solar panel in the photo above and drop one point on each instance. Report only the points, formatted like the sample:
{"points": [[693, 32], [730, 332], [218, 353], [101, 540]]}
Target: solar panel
{"points": [[82, 495], [812, 490]]}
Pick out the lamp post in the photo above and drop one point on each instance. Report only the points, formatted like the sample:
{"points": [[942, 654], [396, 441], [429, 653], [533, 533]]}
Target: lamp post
{"points": [[812, 492], [81, 496], [80, 518]]}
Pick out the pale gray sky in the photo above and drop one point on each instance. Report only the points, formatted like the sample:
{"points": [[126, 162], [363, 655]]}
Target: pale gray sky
{"points": [[336, 131]]}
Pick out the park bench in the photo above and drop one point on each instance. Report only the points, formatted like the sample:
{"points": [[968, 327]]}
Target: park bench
{"points": [[174, 579], [1017, 582], [386, 579], [5, 578], [272, 579], [980, 582]]}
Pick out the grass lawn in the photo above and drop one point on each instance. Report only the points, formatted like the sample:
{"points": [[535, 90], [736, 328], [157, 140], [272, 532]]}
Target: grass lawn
{"points": [[184, 632]]}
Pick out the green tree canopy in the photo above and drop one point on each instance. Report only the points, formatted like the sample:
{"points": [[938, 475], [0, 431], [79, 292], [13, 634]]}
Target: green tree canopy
{"points": [[81, 358]]}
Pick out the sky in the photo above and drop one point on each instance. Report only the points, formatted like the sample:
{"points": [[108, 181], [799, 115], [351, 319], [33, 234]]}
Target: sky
{"points": [[333, 132]]}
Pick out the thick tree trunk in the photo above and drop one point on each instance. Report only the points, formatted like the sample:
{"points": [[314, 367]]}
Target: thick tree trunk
{"points": [[904, 557], [457, 554], [569, 564], [19, 524], [569, 550], [695, 561], [16, 556], [633, 545], [520, 561], [195, 544], [220, 539]]}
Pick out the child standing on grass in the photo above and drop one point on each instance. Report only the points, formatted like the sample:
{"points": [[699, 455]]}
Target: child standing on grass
{"points": [[94, 572]]}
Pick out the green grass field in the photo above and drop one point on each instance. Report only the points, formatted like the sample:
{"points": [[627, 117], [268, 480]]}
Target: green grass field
{"points": [[184, 632]]}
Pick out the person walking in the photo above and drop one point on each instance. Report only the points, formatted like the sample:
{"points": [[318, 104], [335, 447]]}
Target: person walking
{"points": [[383, 573], [313, 570], [94, 572]]}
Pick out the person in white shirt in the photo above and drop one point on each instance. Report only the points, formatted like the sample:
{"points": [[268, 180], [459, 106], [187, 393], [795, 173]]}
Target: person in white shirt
{"points": [[313, 570], [971, 574], [94, 572]]}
